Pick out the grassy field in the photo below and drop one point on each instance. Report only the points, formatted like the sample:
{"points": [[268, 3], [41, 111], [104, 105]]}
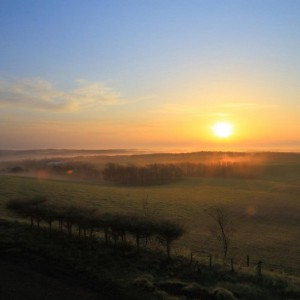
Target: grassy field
{"points": [[265, 211]]}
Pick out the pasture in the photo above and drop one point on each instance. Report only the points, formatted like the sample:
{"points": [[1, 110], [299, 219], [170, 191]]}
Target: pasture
{"points": [[264, 210]]}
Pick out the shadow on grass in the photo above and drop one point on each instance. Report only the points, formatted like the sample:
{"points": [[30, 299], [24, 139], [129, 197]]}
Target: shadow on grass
{"points": [[116, 271]]}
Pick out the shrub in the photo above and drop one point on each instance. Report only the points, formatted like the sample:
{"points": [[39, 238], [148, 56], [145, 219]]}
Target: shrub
{"points": [[144, 282], [220, 293], [28, 208], [167, 232]]}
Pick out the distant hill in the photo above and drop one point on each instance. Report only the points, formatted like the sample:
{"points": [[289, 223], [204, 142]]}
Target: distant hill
{"points": [[49, 153]]}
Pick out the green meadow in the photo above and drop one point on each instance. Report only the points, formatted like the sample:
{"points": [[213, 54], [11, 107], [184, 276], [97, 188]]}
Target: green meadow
{"points": [[264, 210]]}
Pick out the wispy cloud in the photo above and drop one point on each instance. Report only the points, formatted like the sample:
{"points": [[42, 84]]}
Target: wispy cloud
{"points": [[40, 94]]}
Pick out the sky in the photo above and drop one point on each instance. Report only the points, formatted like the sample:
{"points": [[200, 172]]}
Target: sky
{"points": [[149, 74]]}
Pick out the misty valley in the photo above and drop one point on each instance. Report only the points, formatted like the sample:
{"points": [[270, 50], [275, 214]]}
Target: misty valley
{"points": [[189, 225]]}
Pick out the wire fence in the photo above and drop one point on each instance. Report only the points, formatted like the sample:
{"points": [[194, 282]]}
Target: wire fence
{"points": [[252, 262]]}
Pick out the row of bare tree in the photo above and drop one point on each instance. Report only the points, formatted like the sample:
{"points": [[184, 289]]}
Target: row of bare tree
{"points": [[116, 227], [167, 173]]}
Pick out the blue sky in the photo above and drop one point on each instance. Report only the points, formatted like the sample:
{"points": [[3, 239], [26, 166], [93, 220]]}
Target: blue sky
{"points": [[148, 73]]}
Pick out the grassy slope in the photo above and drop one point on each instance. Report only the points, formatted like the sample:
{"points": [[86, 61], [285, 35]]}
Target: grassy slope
{"points": [[265, 211]]}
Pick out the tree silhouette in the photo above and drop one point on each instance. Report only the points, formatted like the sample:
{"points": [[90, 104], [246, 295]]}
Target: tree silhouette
{"points": [[222, 228], [167, 232], [27, 208]]}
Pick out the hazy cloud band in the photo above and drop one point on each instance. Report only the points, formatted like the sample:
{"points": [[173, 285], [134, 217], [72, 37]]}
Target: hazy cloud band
{"points": [[40, 94]]}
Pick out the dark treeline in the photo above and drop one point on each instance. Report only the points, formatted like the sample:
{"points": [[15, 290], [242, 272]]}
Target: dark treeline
{"points": [[219, 169], [168, 173], [142, 175], [87, 222]]}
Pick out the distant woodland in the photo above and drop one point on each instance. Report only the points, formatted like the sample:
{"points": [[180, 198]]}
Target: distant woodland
{"points": [[155, 169], [144, 175]]}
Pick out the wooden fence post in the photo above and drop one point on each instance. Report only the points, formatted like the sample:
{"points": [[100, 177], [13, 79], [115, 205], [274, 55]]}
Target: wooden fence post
{"points": [[259, 263], [232, 267]]}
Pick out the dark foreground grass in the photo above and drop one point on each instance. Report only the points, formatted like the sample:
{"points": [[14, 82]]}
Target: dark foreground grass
{"points": [[115, 271]]}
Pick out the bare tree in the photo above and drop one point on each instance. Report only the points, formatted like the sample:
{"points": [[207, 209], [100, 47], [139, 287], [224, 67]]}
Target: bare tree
{"points": [[222, 228]]}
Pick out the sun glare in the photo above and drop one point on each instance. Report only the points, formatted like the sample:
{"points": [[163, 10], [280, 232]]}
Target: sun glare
{"points": [[222, 129]]}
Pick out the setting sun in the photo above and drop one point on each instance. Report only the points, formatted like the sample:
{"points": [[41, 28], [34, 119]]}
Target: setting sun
{"points": [[222, 129]]}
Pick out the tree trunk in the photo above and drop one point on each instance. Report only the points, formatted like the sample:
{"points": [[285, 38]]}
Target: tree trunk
{"points": [[106, 235], [168, 250], [91, 232], [137, 237], [69, 228]]}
